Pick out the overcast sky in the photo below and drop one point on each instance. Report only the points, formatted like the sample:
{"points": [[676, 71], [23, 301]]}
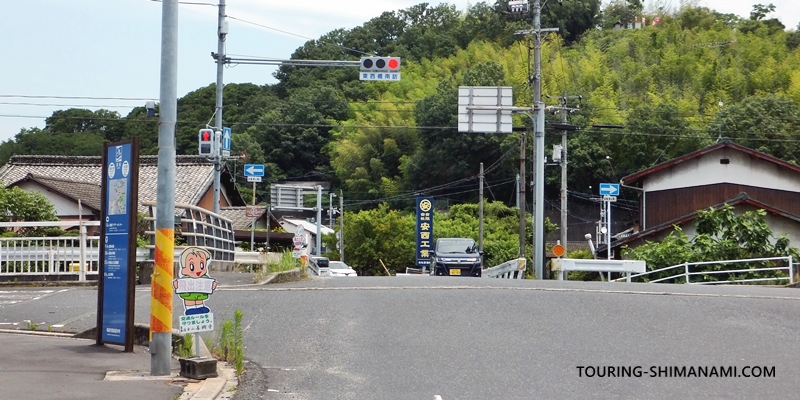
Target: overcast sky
{"points": [[109, 50]]}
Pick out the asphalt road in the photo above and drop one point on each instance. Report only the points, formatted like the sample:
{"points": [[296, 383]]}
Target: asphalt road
{"points": [[468, 338]]}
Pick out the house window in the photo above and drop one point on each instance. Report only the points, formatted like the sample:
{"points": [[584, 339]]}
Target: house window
{"points": [[724, 161]]}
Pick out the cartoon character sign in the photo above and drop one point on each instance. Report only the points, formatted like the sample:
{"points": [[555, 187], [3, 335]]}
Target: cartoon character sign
{"points": [[193, 284]]}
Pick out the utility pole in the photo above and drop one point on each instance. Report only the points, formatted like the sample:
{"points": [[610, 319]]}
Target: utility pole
{"points": [[222, 32], [538, 250], [162, 291], [565, 110], [480, 210], [331, 195], [341, 226], [538, 130]]}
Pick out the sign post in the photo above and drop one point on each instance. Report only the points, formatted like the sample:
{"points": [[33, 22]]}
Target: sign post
{"points": [[120, 197], [609, 191], [298, 240]]}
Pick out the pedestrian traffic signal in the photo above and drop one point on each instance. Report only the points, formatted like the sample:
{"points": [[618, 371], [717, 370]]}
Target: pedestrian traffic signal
{"points": [[380, 64], [206, 141]]}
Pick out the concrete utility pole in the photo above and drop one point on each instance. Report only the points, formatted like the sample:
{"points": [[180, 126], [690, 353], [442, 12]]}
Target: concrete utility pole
{"points": [[222, 32], [565, 110], [162, 292], [480, 209], [538, 130], [319, 221], [538, 250], [341, 226]]}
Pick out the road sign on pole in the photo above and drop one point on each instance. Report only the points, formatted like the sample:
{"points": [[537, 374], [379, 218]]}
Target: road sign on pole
{"points": [[485, 109], [609, 189], [253, 170], [253, 211], [226, 142]]}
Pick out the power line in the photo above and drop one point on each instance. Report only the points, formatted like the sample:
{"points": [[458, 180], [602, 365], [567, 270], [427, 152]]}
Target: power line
{"points": [[28, 96]]}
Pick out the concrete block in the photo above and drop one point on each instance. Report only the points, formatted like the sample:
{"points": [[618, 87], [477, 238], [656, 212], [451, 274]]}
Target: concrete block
{"points": [[198, 368]]}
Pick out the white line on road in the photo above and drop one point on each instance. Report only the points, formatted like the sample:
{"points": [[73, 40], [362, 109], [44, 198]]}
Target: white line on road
{"points": [[437, 397], [639, 292]]}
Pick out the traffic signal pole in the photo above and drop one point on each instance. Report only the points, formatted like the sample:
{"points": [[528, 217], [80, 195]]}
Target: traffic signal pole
{"points": [[222, 32]]}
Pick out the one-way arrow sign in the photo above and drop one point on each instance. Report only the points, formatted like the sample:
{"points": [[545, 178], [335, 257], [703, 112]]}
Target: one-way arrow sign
{"points": [[254, 170], [226, 142], [609, 189]]}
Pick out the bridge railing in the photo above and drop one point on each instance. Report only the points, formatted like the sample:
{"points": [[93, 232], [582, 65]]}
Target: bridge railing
{"points": [[199, 227], [56, 255], [513, 269]]}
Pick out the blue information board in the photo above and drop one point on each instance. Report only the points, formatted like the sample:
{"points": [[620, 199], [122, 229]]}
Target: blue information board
{"points": [[424, 230], [120, 207]]}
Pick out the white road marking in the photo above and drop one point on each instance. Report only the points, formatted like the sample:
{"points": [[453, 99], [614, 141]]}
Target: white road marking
{"points": [[606, 291], [437, 397], [11, 297]]}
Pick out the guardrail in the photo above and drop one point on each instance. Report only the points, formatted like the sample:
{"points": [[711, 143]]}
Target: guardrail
{"points": [[513, 269], [686, 274], [563, 265]]}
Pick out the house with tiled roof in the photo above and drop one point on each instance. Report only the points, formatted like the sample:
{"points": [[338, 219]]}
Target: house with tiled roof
{"points": [[65, 180], [671, 193]]}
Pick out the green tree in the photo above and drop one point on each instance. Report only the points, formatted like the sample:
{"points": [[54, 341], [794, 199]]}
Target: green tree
{"points": [[767, 124]]}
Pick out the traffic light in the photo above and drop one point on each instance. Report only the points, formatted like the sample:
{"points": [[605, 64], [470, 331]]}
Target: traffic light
{"points": [[380, 64], [206, 141]]}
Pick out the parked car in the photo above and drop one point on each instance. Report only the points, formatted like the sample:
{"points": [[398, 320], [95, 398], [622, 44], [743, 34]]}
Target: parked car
{"points": [[339, 268], [456, 257]]}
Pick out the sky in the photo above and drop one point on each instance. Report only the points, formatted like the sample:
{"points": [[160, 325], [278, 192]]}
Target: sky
{"points": [[96, 54]]}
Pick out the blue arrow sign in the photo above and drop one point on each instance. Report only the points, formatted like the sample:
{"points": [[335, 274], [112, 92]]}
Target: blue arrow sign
{"points": [[609, 189], [254, 170], [226, 139]]}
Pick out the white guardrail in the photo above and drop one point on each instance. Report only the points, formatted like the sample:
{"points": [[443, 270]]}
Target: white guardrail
{"points": [[563, 265], [687, 274], [513, 269]]}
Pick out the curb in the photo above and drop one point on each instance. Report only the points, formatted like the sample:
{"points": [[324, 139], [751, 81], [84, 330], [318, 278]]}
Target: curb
{"points": [[37, 333]]}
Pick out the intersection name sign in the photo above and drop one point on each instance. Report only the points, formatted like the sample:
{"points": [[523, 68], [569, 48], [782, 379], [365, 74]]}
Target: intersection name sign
{"points": [[379, 76]]}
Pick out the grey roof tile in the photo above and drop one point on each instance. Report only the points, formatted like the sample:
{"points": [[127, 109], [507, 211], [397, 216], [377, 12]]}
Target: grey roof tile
{"points": [[194, 174]]}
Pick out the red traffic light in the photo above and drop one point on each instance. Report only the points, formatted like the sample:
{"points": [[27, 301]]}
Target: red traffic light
{"points": [[205, 137], [380, 64]]}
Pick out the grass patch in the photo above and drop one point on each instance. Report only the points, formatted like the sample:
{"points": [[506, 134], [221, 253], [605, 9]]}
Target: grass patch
{"points": [[185, 347], [286, 263], [229, 345]]}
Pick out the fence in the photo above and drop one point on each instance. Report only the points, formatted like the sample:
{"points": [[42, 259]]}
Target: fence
{"points": [[59, 255], [686, 273]]}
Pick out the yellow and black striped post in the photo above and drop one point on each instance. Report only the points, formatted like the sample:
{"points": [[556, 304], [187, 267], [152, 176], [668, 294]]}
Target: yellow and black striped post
{"points": [[161, 287]]}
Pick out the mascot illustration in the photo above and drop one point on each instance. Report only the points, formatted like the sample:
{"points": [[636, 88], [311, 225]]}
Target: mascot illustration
{"points": [[193, 284]]}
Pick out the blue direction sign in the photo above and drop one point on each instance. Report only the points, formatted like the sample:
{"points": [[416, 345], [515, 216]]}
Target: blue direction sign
{"points": [[609, 189], [226, 142], [254, 170]]}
